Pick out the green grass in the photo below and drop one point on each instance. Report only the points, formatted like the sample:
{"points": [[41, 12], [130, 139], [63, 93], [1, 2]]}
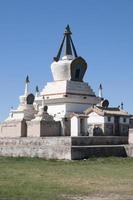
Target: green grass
{"points": [[38, 179]]}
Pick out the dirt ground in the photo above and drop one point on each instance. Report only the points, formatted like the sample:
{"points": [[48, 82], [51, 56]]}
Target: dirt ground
{"points": [[101, 197]]}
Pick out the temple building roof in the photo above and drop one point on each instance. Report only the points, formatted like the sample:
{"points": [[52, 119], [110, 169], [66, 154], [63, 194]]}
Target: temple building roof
{"points": [[106, 111]]}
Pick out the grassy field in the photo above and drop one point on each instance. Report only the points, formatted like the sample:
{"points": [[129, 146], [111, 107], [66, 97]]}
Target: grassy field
{"points": [[37, 179]]}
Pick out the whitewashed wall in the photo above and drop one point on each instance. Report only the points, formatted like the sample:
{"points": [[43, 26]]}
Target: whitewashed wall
{"points": [[75, 126], [122, 122], [111, 119], [58, 110], [94, 118], [76, 107]]}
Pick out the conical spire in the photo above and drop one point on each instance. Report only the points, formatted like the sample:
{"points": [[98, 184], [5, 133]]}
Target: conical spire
{"points": [[43, 102], [27, 79], [37, 91], [122, 105], [67, 33], [100, 91], [100, 86], [26, 86], [68, 45]]}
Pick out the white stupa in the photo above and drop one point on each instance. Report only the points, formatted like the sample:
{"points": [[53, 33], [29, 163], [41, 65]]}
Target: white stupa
{"points": [[25, 110], [68, 92]]}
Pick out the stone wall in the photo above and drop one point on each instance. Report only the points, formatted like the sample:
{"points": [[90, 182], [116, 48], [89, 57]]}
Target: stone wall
{"points": [[43, 128], [108, 129], [130, 137], [129, 148], [66, 127], [131, 122], [98, 130], [99, 146], [13, 128], [50, 128], [124, 129], [65, 147], [99, 140], [48, 147]]}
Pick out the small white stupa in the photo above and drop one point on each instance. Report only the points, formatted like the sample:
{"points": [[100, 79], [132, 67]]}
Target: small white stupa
{"points": [[15, 125], [25, 109]]}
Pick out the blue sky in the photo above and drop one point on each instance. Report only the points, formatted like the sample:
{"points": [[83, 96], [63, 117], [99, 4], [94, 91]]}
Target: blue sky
{"points": [[31, 32]]}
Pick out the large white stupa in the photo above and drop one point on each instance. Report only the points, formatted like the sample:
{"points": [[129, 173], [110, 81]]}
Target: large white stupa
{"points": [[68, 92]]}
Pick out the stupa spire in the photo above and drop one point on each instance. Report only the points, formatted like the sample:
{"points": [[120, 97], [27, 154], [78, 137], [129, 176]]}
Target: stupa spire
{"points": [[68, 45], [100, 91], [122, 105], [68, 49], [26, 92], [37, 91]]}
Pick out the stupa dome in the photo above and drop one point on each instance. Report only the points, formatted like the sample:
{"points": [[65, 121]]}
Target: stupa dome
{"points": [[61, 69]]}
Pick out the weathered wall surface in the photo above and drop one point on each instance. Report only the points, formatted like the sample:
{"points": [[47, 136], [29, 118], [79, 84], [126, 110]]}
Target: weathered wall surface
{"points": [[43, 128], [108, 129], [100, 146], [124, 129], [66, 127], [129, 148], [65, 147], [50, 128], [48, 148], [130, 136], [33, 129], [14, 128], [99, 140]]}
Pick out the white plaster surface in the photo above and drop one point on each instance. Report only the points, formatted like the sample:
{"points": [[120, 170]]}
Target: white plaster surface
{"points": [[67, 87], [111, 119], [76, 107], [63, 97], [75, 126], [94, 118], [130, 137], [122, 122], [61, 69]]}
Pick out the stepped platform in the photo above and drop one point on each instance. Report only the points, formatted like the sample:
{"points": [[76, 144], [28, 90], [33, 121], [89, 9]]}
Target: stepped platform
{"points": [[98, 146], [99, 140], [85, 152]]}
